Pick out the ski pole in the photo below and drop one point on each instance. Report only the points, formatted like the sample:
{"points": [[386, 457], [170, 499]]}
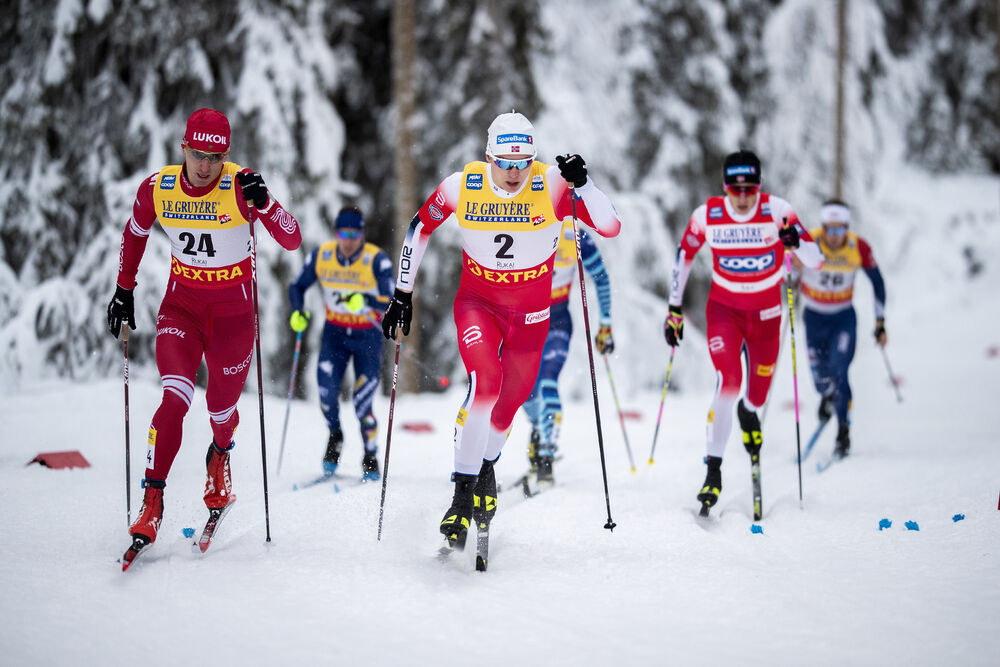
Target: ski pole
{"points": [[260, 374], [663, 398], [621, 417], [892, 376], [128, 460], [388, 438], [795, 375], [781, 348], [610, 525], [288, 404]]}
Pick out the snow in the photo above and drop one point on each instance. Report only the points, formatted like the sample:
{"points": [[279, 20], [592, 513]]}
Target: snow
{"points": [[821, 584]]}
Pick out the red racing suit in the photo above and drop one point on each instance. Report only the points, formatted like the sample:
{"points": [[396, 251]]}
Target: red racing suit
{"points": [[744, 302], [509, 241], [207, 310]]}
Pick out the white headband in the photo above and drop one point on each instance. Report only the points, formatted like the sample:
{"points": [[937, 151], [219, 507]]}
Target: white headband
{"points": [[835, 213]]}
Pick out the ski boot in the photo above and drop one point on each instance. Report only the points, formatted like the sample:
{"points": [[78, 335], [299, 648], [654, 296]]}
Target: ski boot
{"points": [[710, 490], [332, 457], [752, 436], [546, 457], [147, 524], [536, 438], [843, 447], [369, 468], [484, 496], [825, 409], [456, 521], [218, 483]]}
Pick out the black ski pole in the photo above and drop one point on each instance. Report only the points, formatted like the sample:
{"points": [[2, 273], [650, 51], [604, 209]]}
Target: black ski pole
{"points": [[663, 398], [128, 447], [388, 438], [610, 525], [291, 391], [621, 416], [260, 374]]}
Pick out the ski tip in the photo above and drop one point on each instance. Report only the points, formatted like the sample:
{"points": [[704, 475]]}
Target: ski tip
{"points": [[480, 564], [336, 488], [650, 461]]}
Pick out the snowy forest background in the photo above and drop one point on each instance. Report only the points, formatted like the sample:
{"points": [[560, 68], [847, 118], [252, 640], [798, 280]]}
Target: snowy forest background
{"points": [[652, 93]]}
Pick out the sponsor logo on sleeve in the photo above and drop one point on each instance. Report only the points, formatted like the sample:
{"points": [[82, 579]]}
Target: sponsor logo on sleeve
{"points": [[435, 212], [474, 182], [692, 240], [168, 181]]}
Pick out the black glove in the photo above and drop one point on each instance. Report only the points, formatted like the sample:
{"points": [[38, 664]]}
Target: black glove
{"points": [[573, 169], [880, 335], [121, 309], [673, 326], [398, 314], [789, 236], [253, 188]]}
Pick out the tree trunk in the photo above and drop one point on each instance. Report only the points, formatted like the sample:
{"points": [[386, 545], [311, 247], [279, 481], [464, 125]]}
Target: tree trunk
{"points": [[839, 138]]}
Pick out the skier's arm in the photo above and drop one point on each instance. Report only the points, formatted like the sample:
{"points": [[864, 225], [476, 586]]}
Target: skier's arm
{"points": [[593, 207], [438, 207], [593, 263], [136, 234], [305, 280], [872, 271], [278, 222], [808, 251], [691, 242]]}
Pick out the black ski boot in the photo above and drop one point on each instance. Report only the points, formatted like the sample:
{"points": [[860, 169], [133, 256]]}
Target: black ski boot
{"points": [[484, 497], [752, 436], [369, 468], [458, 518], [332, 457], [825, 409], [843, 447], [710, 490], [545, 459], [536, 438]]}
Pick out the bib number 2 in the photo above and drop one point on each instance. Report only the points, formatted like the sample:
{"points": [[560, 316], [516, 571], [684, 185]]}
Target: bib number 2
{"points": [[505, 241]]}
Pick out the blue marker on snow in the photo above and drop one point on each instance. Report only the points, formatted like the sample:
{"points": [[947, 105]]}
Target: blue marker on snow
{"points": [[755, 528], [188, 532], [884, 523], [912, 525], [957, 517]]}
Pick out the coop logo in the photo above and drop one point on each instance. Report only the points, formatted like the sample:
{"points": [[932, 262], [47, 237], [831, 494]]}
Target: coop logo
{"points": [[236, 370], [534, 318], [749, 264], [471, 335], [715, 212], [537, 184], [168, 181], [474, 182], [226, 183]]}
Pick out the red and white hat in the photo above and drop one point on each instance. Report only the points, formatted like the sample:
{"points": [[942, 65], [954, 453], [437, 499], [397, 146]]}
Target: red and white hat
{"points": [[511, 134], [207, 131]]}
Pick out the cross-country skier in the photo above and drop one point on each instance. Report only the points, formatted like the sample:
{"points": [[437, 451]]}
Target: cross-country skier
{"points": [[748, 233], [205, 206], [356, 280], [830, 320], [544, 407], [509, 210]]}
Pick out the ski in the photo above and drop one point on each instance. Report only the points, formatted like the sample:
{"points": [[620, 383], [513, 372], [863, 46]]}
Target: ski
{"points": [[337, 481], [139, 544], [823, 465], [814, 438], [482, 545], [325, 477], [215, 517], [755, 478]]}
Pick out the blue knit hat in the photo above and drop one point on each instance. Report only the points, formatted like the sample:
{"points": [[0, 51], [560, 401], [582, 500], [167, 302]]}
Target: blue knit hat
{"points": [[349, 218]]}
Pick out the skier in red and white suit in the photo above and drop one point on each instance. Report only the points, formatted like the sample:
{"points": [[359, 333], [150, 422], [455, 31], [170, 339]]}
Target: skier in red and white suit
{"points": [[748, 232], [509, 210], [205, 206]]}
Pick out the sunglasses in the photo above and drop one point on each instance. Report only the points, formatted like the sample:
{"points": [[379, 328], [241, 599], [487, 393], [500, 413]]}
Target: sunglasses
{"points": [[513, 164], [737, 190], [835, 230], [349, 234], [201, 155]]}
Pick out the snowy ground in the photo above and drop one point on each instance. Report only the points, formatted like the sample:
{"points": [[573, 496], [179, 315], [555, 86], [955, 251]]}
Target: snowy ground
{"points": [[820, 585]]}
